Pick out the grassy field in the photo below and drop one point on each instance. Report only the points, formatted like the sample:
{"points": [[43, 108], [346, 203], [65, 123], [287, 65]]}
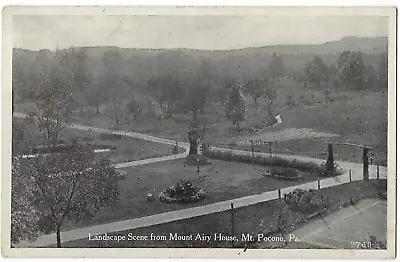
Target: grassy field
{"points": [[213, 115], [254, 219], [361, 120], [351, 117], [221, 180]]}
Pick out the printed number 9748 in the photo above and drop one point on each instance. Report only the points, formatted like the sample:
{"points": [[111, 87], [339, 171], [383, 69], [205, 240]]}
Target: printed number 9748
{"points": [[356, 244]]}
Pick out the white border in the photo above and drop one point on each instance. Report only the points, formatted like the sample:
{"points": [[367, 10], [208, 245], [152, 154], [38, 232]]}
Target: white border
{"points": [[210, 253]]}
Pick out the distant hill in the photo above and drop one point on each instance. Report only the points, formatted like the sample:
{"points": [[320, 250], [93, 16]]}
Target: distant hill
{"points": [[140, 64]]}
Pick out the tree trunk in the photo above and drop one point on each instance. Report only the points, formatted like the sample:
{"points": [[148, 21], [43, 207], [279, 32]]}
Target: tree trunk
{"points": [[194, 115], [238, 126], [58, 235], [97, 109]]}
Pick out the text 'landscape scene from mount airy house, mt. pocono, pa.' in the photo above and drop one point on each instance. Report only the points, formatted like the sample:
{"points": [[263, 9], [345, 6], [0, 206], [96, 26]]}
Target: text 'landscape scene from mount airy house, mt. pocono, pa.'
{"points": [[264, 132]]}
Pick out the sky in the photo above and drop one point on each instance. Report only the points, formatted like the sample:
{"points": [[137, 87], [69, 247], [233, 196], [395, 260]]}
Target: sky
{"points": [[196, 32]]}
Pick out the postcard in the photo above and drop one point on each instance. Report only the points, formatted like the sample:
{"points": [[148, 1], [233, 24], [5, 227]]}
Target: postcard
{"points": [[199, 132]]}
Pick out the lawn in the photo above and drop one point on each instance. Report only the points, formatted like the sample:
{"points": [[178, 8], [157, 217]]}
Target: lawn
{"points": [[255, 219], [221, 180], [124, 149]]}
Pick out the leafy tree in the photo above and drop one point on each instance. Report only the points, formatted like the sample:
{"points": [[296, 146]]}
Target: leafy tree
{"points": [[22, 138], [207, 81], [317, 72], [37, 75], [300, 76], [194, 95], [55, 98], [254, 88], [24, 215], [82, 76], [72, 186], [112, 86], [270, 97], [112, 62], [221, 89], [134, 107], [290, 102], [95, 96], [371, 78], [117, 97], [383, 72], [20, 78], [351, 70], [333, 76], [235, 106], [276, 67], [165, 88], [153, 110]]}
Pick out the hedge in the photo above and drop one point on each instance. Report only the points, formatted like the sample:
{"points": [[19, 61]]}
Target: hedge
{"points": [[265, 160]]}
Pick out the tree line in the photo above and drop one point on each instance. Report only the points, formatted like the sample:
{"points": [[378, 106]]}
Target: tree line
{"points": [[349, 73]]}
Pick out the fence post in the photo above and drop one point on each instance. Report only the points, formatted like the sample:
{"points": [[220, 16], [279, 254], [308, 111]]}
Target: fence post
{"points": [[365, 164], [232, 223], [349, 175], [377, 170], [252, 148], [319, 184]]}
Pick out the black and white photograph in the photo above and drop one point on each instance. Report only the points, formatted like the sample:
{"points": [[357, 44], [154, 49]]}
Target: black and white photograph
{"points": [[215, 128]]}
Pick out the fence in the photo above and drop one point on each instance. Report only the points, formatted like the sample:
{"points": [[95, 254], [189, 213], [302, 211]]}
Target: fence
{"points": [[324, 198]]}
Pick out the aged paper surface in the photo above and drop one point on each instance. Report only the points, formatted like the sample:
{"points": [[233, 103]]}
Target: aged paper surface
{"points": [[229, 132]]}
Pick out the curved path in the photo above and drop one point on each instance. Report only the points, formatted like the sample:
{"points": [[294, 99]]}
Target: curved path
{"points": [[133, 135], [50, 239]]}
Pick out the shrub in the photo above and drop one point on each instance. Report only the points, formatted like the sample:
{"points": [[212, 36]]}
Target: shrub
{"points": [[285, 173], [307, 201], [182, 192], [327, 169]]}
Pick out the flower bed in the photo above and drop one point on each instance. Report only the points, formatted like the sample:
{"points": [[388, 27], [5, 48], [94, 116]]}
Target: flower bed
{"points": [[284, 173], [307, 201], [182, 192]]}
